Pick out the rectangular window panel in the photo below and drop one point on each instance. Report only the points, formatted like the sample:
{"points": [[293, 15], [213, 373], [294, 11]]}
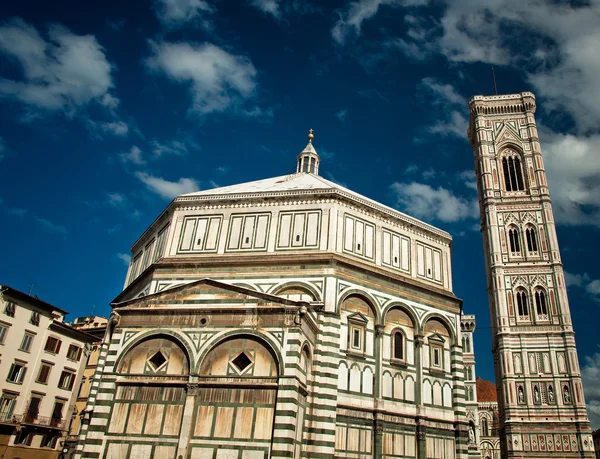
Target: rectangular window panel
{"points": [[312, 229], [261, 232], [26, 342], [349, 234], [212, 237], [161, 242], [248, 233], [204, 421], [154, 419], [298, 230], [186, 235], [285, 227], [3, 333], [223, 422], [235, 232], [200, 236]]}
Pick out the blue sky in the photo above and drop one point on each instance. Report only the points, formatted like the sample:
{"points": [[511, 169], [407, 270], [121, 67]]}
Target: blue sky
{"points": [[111, 109]]}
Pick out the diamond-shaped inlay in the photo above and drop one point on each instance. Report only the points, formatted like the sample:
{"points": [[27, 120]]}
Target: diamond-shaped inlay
{"points": [[241, 362], [157, 360]]}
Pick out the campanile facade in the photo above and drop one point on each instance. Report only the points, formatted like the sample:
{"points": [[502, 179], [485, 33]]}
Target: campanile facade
{"points": [[538, 378]]}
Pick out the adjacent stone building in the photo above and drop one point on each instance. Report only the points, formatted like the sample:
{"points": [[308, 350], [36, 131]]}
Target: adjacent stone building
{"points": [[96, 327], [287, 317], [41, 363], [488, 416], [540, 396]]}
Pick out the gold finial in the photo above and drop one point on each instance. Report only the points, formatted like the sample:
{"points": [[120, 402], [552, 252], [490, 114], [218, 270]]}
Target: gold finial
{"points": [[310, 135]]}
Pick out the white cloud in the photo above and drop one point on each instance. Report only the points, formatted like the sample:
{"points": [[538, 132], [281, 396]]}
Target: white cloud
{"points": [[554, 43], [124, 257], [585, 282], [590, 375], [51, 227], [167, 189], [133, 156], [271, 7], [175, 13], [63, 73], [174, 147], [351, 20], [454, 111], [573, 169], [342, 114], [424, 201], [115, 127], [116, 200], [218, 80]]}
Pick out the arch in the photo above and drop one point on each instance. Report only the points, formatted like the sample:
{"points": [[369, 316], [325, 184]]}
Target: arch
{"points": [[447, 395], [307, 288], [444, 321], [343, 376], [366, 297], [355, 382], [306, 362], [178, 339], [267, 341], [240, 356], [404, 308], [387, 384], [409, 388]]}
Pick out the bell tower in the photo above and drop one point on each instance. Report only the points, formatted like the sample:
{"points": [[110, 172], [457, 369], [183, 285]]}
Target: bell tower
{"points": [[540, 396]]}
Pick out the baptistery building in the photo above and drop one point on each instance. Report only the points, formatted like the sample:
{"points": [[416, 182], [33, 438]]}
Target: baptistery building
{"points": [[286, 317]]}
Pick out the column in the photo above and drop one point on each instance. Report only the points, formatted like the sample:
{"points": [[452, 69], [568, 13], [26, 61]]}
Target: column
{"points": [[191, 395]]}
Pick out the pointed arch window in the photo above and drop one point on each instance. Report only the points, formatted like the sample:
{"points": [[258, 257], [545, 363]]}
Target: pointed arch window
{"points": [[530, 235], [522, 306], [485, 429], [513, 238], [513, 173], [540, 303]]}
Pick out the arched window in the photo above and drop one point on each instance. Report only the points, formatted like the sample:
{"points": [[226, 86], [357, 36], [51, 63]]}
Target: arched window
{"points": [[532, 245], [540, 302], [513, 174], [398, 345], [522, 307], [513, 237], [485, 429]]}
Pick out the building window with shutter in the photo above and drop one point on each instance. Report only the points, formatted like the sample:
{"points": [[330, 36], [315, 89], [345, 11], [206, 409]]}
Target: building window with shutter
{"points": [[74, 353], [9, 309], [35, 318], [7, 406], [3, 333], [44, 373], [67, 378], [17, 371], [52, 345]]}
